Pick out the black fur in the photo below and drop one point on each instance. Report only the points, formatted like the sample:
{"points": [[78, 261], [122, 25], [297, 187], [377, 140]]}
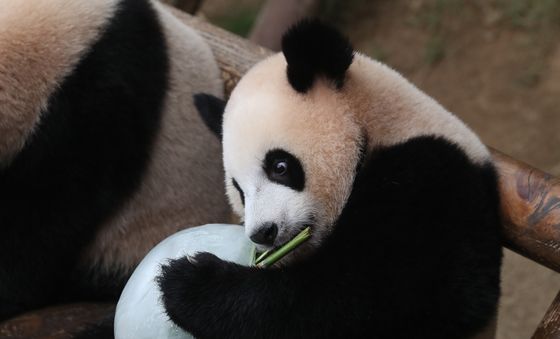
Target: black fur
{"points": [[211, 110], [416, 253], [86, 157], [313, 48], [239, 190], [294, 176]]}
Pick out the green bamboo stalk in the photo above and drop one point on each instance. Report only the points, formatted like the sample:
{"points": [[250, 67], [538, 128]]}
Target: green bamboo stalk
{"points": [[270, 258], [262, 256], [253, 254]]}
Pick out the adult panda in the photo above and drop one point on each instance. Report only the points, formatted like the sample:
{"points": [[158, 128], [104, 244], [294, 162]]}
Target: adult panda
{"points": [[400, 195], [102, 151]]}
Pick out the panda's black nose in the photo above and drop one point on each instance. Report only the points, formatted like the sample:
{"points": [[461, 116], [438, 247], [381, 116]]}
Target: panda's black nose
{"points": [[265, 234]]}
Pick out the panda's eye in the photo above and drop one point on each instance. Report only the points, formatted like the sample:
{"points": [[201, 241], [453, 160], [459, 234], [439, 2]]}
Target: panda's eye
{"points": [[280, 167], [285, 169]]}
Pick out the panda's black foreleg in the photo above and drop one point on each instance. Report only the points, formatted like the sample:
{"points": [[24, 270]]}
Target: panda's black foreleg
{"points": [[212, 298]]}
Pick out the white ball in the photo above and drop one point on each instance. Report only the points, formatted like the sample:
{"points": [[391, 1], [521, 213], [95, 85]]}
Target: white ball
{"points": [[140, 313]]}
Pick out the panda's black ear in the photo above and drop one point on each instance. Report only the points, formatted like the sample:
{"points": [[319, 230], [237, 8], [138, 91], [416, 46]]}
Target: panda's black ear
{"points": [[312, 47], [211, 110]]}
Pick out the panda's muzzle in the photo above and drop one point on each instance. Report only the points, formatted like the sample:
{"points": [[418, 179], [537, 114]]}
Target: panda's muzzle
{"points": [[265, 234]]}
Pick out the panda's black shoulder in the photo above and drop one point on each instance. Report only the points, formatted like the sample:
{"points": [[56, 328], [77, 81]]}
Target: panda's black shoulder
{"points": [[422, 215], [428, 179], [427, 162]]}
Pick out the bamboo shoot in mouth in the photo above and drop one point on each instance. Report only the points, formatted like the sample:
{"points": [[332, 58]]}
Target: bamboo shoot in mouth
{"points": [[270, 257]]}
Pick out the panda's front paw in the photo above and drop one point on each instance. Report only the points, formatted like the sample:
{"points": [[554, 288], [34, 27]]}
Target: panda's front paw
{"points": [[191, 286]]}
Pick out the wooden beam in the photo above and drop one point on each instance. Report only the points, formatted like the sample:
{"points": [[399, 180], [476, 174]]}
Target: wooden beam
{"points": [[549, 328], [189, 6], [56, 322], [234, 54], [530, 198], [530, 201]]}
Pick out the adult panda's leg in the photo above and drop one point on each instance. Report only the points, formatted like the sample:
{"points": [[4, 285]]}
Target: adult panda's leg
{"points": [[183, 182], [87, 152]]}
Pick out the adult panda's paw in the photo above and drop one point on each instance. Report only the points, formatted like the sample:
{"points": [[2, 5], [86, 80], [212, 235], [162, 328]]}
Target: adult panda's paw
{"points": [[192, 286]]}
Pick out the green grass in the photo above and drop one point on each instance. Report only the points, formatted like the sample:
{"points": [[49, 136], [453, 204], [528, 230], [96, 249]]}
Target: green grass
{"points": [[339, 13], [434, 50], [531, 13], [541, 20], [431, 14], [376, 52], [430, 18], [239, 21], [530, 76]]}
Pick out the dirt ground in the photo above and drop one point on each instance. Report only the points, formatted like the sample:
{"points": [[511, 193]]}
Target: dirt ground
{"points": [[494, 63]]}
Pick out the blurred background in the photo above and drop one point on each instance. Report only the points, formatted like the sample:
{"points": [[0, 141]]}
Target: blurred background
{"points": [[494, 63]]}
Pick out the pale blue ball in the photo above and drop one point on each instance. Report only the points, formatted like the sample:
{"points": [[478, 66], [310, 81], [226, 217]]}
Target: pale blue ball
{"points": [[140, 313]]}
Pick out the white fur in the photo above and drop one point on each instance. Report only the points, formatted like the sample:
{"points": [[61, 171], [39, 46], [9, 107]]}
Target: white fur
{"points": [[182, 185], [41, 41], [322, 128], [292, 209], [393, 110], [316, 128]]}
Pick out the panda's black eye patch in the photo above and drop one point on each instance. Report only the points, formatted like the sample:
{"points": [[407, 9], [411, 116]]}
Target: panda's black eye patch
{"points": [[284, 168], [238, 188]]}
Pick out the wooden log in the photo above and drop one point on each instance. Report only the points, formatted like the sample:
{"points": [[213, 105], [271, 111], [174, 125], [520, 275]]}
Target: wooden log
{"points": [[549, 327], [530, 198], [58, 322], [189, 6], [234, 54], [530, 202]]}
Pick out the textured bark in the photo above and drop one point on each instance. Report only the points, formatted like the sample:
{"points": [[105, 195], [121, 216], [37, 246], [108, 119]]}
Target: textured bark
{"points": [[530, 202], [189, 6], [59, 322], [549, 328]]}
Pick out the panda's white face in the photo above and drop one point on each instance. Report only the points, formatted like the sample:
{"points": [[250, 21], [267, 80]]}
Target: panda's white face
{"points": [[276, 206], [292, 136], [289, 158]]}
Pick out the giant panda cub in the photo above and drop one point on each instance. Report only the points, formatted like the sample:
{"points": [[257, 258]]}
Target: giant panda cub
{"points": [[102, 151], [400, 195]]}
